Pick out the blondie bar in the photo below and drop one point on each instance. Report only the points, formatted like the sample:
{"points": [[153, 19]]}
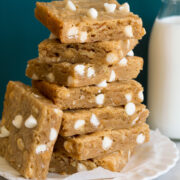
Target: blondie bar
{"points": [[61, 163], [86, 121], [89, 146], [80, 21], [28, 131], [114, 94], [106, 52], [78, 75]]}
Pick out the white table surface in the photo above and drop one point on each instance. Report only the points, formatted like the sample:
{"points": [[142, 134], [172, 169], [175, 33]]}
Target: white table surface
{"points": [[174, 174]]}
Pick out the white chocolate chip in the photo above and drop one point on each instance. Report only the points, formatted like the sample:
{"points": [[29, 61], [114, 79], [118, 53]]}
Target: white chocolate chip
{"points": [[79, 124], [125, 7], [53, 134], [17, 122], [50, 77], [99, 91], [52, 36], [4, 132], [123, 62], [81, 167], [141, 95], [34, 77], [140, 139], [100, 99], [111, 58], [57, 111], [128, 97], [94, 120], [106, 143], [73, 33], [36, 96], [110, 8], [128, 31], [79, 69], [71, 81], [92, 13], [102, 84], [83, 36], [41, 148], [70, 5], [135, 120], [112, 76], [31, 122], [130, 53], [82, 97], [130, 108], [90, 72]]}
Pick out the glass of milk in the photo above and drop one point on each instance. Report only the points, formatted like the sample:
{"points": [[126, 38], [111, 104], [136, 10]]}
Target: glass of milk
{"points": [[164, 70]]}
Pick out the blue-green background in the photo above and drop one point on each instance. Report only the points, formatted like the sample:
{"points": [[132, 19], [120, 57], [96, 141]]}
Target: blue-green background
{"points": [[20, 33]]}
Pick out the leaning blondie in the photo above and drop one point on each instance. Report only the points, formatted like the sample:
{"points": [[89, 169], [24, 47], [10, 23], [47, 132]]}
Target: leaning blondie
{"points": [[28, 131], [80, 21]]}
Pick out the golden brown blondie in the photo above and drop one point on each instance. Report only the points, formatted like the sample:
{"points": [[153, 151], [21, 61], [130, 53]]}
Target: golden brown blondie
{"points": [[28, 131], [80, 21]]}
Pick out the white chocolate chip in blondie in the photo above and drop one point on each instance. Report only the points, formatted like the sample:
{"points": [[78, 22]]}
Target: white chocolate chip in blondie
{"points": [[140, 139], [110, 8], [71, 81], [70, 5], [53, 134], [31, 122], [130, 53], [100, 99], [141, 95], [111, 58], [94, 120], [128, 97], [4, 132], [123, 62], [90, 72], [34, 77], [130, 108], [17, 122], [106, 143], [128, 31], [125, 7], [81, 167], [82, 97], [50, 77], [41, 148], [102, 84], [92, 13], [79, 69], [83, 36], [79, 124], [112, 76], [73, 33], [57, 111], [135, 120], [20, 144], [52, 36]]}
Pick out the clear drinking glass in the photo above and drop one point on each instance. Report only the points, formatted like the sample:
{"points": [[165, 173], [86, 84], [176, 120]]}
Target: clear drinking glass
{"points": [[164, 70]]}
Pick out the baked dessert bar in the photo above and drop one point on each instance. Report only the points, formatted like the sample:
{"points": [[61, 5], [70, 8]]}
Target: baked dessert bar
{"points": [[104, 142], [86, 121], [78, 75], [28, 131], [114, 94], [61, 163], [105, 52], [80, 21]]}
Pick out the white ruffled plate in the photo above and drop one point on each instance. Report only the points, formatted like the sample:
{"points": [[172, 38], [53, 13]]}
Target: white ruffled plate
{"points": [[148, 162]]}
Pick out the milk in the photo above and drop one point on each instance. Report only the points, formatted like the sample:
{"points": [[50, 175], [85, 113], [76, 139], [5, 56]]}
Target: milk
{"points": [[164, 76]]}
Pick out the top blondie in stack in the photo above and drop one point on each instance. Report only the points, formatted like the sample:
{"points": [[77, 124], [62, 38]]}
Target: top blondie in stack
{"points": [[86, 69]]}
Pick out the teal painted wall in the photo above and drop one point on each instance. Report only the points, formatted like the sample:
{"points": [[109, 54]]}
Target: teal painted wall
{"points": [[20, 34]]}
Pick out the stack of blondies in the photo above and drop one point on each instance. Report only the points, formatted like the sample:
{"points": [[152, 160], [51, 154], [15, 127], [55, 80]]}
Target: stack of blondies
{"points": [[84, 110]]}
